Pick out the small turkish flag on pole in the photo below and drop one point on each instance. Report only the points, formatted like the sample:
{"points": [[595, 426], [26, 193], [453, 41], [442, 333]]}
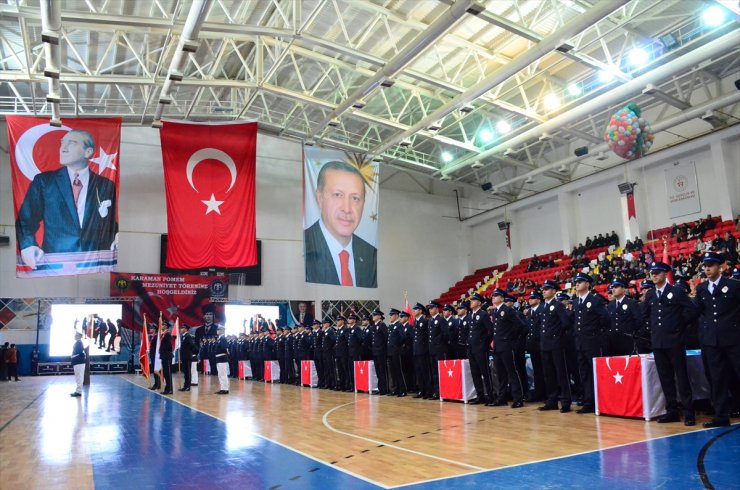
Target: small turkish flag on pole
{"points": [[209, 174]]}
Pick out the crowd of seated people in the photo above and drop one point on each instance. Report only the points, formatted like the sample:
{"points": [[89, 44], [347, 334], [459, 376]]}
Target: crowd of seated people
{"points": [[597, 241], [537, 264]]}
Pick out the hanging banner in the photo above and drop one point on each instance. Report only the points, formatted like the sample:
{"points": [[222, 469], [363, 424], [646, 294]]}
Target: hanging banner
{"points": [[682, 189], [340, 218], [65, 195], [195, 300], [209, 176]]}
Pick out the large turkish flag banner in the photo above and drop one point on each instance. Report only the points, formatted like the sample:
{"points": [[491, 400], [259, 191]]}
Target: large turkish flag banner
{"points": [[619, 385], [209, 175], [451, 380]]}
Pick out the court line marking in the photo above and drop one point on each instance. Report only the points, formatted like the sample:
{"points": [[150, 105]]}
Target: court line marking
{"points": [[363, 478], [6, 424], [325, 420], [555, 458]]}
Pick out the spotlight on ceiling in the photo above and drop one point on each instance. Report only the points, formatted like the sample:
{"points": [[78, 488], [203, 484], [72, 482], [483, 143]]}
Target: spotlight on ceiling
{"points": [[574, 89], [447, 157], [503, 127], [486, 136], [714, 16], [638, 57]]}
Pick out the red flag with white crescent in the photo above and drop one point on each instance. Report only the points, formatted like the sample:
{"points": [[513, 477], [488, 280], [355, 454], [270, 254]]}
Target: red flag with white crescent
{"points": [[209, 174], [451, 380], [65, 194], [619, 386]]}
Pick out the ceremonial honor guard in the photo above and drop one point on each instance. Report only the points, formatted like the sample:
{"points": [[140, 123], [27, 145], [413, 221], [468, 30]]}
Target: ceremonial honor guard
{"points": [[396, 340], [507, 329], [165, 354], [479, 342], [463, 331], [554, 326], [78, 364], [222, 362], [187, 352], [379, 345], [421, 353], [341, 355], [670, 310], [355, 339], [718, 300], [329, 378], [438, 333], [625, 319], [591, 322], [534, 325]]}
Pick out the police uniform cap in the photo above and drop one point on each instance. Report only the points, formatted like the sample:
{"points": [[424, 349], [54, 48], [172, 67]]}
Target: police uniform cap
{"points": [[448, 307], [418, 306], [403, 314], [548, 284], [377, 312], [394, 311], [351, 316], [433, 304], [478, 296], [712, 257], [535, 295], [340, 317], [498, 292], [618, 283], [562, 296], [463, 305], [647, 284], [583, 277], [660, 267]]}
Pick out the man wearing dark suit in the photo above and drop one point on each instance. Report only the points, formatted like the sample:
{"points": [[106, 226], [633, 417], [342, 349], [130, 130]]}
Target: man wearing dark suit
{"points": [[76, 206], [625, 318], [718, 299], [670, 310], [165, 354], [187, 351], [113, 331], [304, 317], [591, 322], [333, 253]]}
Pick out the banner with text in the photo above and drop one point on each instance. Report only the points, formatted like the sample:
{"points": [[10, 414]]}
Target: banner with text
{"points": [[176, 296], [682, 189]]}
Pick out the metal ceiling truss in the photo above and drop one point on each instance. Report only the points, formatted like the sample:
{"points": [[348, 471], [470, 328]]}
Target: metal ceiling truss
{"points": [[406, 81]]}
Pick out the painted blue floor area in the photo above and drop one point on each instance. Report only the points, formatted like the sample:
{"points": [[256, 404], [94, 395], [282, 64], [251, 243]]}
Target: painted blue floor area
{"points": [[670, 463], [146, 441]]}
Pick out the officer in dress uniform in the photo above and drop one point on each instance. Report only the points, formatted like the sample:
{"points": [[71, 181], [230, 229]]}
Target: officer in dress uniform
{"points": [[479, 341], [554, 326], [288, 353], [534, 324], [407, 352], [395, 342], [642, 336], [78, 364], [449, 313], [317, 341], [379, 346], [421, 353], [591, 322], [438, 334], [507, 329], [669, 310], [341, 355], [165, 354], [187, 350], [718, 301], [571, 353], [463, 331], [329, 378], [520, 347], [355, 340], [280, 351], [153, 355], [625, 319], [222, 361]]}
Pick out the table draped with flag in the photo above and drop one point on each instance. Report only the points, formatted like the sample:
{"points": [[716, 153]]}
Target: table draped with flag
{"points": [[629, 386], [309, 377], [455, 380], [272, 371], [365, 377]]}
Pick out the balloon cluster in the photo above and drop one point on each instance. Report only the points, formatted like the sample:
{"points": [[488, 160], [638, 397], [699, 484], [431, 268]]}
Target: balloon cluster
{"points": [[629, 135]]}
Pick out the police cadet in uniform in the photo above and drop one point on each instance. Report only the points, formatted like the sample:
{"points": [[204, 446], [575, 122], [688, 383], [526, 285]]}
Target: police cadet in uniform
{"points": [[396, 341], [507, 329], [669, 310], [520, 346], [329, 378], [222, 361], [78, 364], [379, 344], [187, 350], [534, 325], [438, 333], [355, 339], [165, 354], [367, 328], [289, 353], [280, 351], [448, 313], [463, 331], [479, 340], [642, 336], [571, 353], [407, 352], [421, 353], [554, 326], [341, 355], [591, 322], [625, 319], [718, 300], [317, 342]]}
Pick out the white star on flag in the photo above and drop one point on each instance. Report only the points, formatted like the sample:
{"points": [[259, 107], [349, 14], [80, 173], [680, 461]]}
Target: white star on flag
{"points": [[213, 205], [361, 371], [618, 378], [449, 373], [104, 161]]}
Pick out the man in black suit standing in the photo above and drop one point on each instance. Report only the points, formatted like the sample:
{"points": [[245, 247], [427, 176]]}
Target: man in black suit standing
{"points": [[718, 299], [76, 206], [165, 354], [669, 310], [187, 351], [333, 253]]}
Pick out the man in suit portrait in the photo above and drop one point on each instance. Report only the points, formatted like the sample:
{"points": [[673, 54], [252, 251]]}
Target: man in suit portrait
{"points": [[76, 206], [334, 254]]}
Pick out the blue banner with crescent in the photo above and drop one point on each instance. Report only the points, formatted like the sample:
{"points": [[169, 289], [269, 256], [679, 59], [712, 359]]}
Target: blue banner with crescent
{"points": [[65, 195]]}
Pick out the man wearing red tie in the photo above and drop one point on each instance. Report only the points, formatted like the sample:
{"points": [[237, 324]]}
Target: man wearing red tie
{"points": [[334, 254]]}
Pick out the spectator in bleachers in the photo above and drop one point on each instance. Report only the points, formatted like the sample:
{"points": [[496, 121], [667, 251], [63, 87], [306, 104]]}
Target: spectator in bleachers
{"points": [[717, 242], [709, 223], [628, 247], [589, 243], [614, 239], [638, 244], [674, 229], [681, 234]]}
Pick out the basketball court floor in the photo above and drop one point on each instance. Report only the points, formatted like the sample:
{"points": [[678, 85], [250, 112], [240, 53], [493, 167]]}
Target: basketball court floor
{"points": [[122, 435]]}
